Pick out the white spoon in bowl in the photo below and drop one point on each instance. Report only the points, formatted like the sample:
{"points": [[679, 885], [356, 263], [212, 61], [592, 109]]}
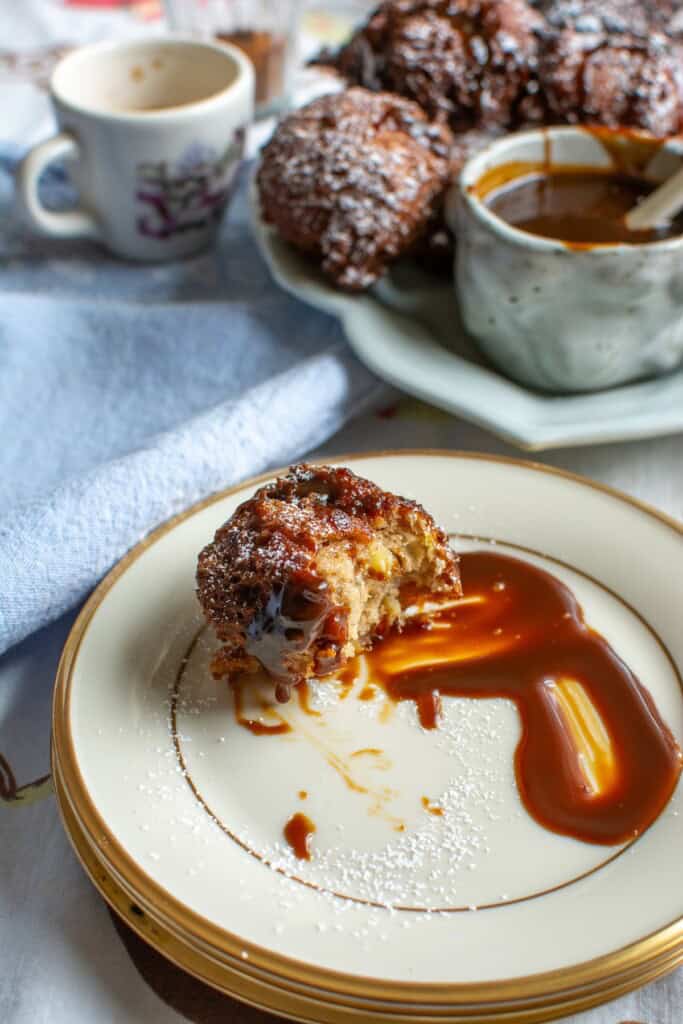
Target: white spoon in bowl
{"points": [[660, 206]]}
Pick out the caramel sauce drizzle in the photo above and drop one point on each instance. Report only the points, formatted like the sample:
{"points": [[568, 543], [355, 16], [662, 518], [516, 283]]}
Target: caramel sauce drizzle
{"points": [[303, 694], [590, 215], [629, 151], [346, 677], [298, 832], [595, 760], [378, 797], [431, 807], [255, 725]]}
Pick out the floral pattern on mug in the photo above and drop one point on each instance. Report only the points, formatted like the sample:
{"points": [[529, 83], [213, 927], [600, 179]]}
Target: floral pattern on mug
{"points": [[189, 194]]}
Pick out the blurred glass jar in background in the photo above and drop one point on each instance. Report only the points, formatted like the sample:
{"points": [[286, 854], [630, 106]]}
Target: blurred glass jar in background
{"points": [[266, 30]]}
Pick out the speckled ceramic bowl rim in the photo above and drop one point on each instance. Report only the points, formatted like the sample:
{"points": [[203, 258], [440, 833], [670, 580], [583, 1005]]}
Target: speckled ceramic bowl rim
{"points": [[474, 167]]}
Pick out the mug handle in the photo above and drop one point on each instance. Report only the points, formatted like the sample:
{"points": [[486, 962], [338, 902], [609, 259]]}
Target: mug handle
{"points": [[76, 223]]}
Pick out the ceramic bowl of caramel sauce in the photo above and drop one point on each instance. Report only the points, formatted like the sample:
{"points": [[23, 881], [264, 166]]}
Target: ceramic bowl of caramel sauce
{"points": [[557, 292]]}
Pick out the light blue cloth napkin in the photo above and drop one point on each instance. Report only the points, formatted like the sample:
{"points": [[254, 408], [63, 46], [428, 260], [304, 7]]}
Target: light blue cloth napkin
{"points": [[128, 392]]}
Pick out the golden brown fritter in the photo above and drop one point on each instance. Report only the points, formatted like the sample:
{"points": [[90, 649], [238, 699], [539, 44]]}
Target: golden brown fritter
{"points": [[629, 84], [615, 17], [354, 178], [469, 61], [312, 568], [497, 64], [358, 184], [609, 63]]}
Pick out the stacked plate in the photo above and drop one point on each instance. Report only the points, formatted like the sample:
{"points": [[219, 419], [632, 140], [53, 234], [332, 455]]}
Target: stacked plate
{"points": [[473, 914]]}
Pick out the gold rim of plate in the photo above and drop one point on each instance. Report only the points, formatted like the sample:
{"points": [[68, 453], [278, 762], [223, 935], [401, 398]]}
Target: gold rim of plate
{"points": [[265, 996], [557, 992]]}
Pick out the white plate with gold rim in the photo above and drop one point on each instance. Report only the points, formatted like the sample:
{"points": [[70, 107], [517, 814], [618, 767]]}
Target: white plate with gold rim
{"points": [[186, 808], [251, 988]]}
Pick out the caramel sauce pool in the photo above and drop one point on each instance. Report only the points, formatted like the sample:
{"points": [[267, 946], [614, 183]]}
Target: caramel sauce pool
{"points": [[298, 832], [583, 207], [520, 634]]}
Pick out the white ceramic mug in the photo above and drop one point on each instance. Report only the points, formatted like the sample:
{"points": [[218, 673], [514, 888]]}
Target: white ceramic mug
{"points": [[553, 317], [153, 132]]}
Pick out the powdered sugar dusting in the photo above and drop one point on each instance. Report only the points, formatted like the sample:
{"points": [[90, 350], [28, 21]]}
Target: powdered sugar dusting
{"points": [[354, 177]]}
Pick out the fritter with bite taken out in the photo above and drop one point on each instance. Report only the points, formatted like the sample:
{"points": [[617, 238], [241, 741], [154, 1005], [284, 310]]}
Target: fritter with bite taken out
{"points": [[312, 569]]}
